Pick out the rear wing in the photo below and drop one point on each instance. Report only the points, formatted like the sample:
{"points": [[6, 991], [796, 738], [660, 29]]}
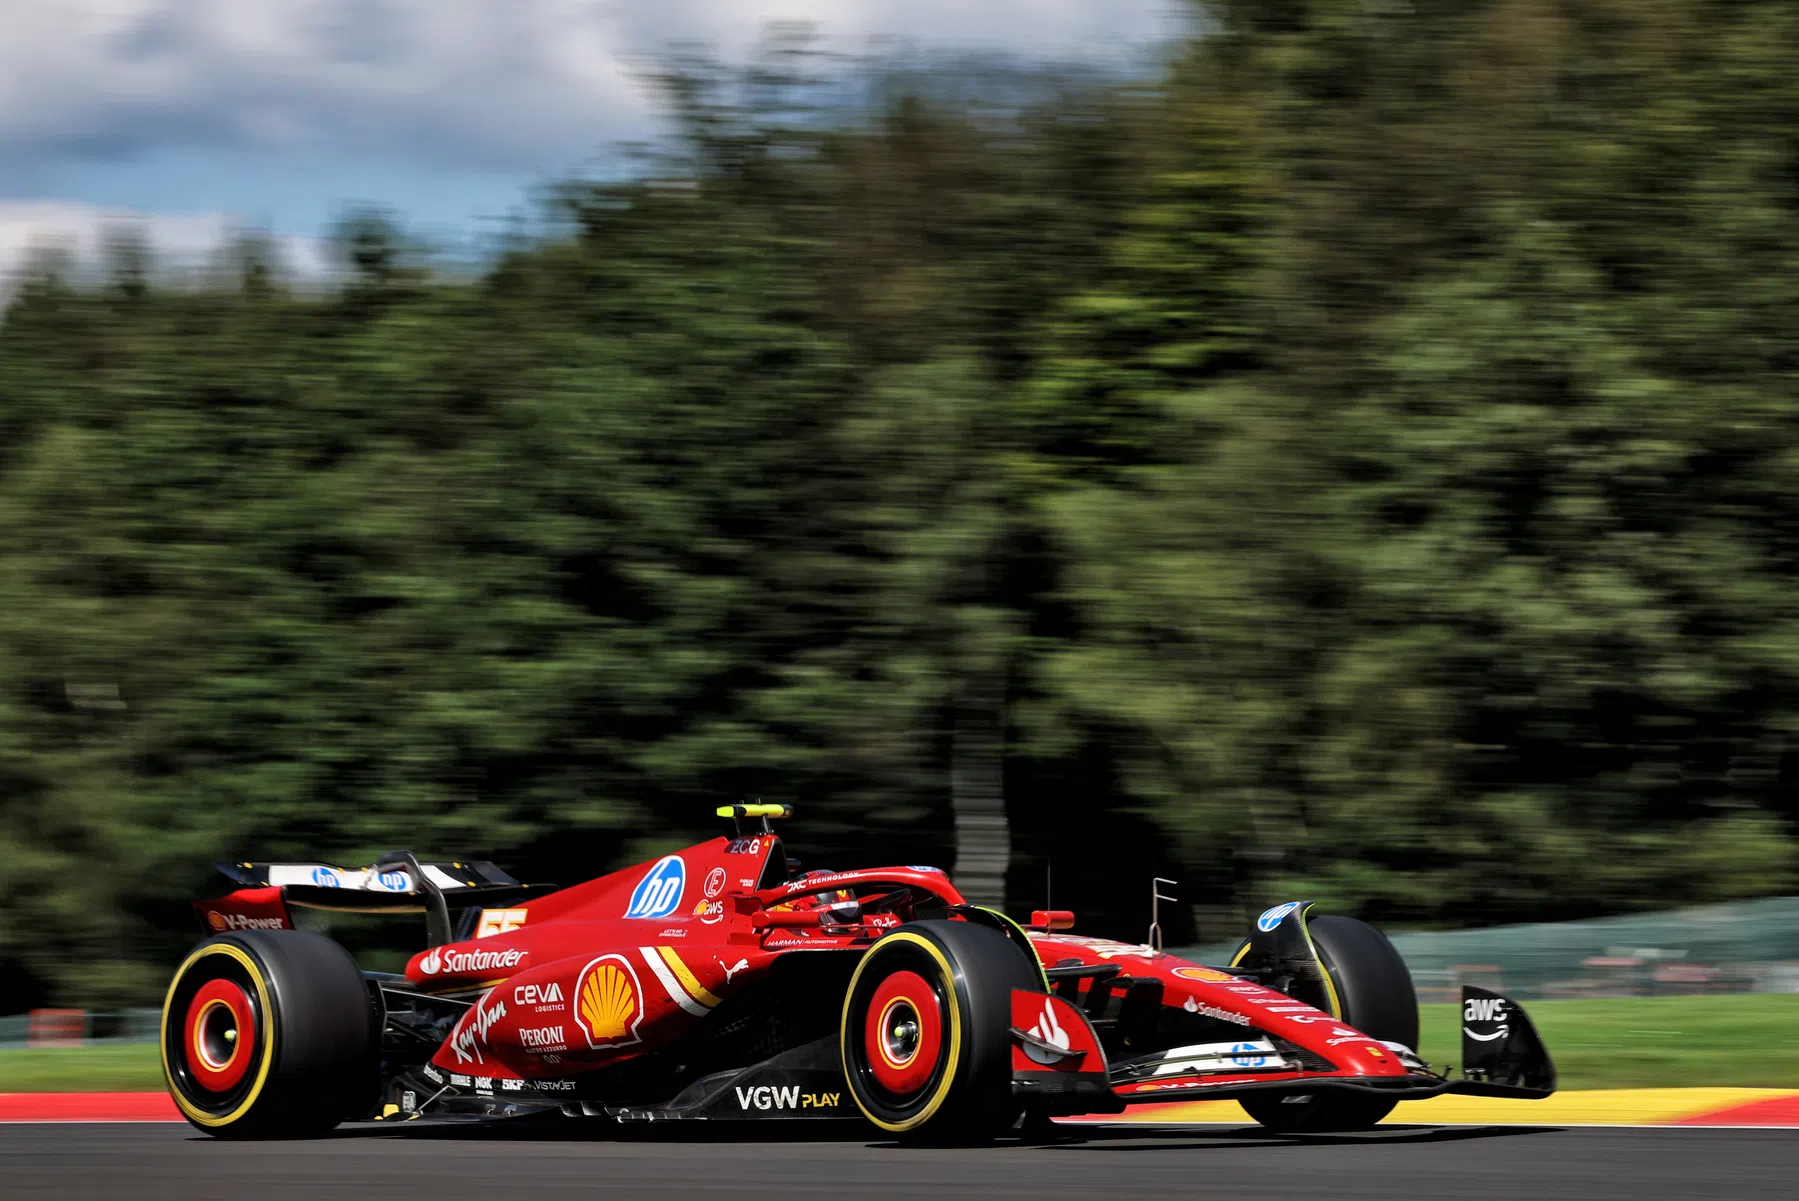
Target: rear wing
{"points": [[397, 882]]}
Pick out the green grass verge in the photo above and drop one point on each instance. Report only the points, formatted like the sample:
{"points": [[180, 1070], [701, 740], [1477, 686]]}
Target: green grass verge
{"points": [[1748, 1040], [132, 1068], [1641, 1042]]}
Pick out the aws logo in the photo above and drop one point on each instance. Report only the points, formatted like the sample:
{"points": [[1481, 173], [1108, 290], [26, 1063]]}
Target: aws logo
{"points": [[1488, 1012], [1484, 1009], [658, 894], [607, 1004]]}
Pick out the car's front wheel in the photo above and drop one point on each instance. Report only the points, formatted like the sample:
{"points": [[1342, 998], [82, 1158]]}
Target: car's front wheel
{"points": [[269, 1034], [1317, 1113], [1374, 994]]}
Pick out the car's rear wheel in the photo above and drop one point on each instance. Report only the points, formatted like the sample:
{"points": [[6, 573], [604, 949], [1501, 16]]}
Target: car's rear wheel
{"points": [[269, 1034], [925, 1042]]}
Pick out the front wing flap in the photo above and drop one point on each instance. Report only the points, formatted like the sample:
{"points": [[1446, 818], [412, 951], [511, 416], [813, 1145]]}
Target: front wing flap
{"points": [[1058, 1064]]}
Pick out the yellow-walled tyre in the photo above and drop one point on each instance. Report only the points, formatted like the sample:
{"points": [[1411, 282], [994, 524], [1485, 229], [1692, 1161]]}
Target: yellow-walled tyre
{"points": [[1374, 993], [269, 1034], [926, 1049]]}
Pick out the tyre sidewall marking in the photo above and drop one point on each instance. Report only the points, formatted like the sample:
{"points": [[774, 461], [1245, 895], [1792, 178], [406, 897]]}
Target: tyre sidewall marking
{"points": [[954, 1005], [249, 964]]}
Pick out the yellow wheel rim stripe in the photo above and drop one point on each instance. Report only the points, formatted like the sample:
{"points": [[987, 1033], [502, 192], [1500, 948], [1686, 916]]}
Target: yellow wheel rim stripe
{"points": [[955, 1034], [265, 1050]]}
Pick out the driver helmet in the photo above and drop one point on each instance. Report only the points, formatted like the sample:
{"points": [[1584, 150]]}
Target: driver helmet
{"points": [[840, 905]]}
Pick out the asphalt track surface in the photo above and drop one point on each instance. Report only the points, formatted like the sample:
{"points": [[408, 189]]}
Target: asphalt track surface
{"points": [[74, 1162]]}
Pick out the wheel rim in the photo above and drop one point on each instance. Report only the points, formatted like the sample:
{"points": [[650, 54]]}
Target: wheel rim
{"points": [[903, 1034], [216, 1039], [219, 1035]]}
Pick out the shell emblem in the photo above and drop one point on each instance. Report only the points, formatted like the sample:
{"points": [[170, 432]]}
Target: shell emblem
{"points": [[606, 1004]]}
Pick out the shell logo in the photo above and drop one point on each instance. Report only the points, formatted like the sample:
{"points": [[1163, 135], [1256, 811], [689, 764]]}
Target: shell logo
{"points": [[1211, 975], [215, 919], [606, 1002]]}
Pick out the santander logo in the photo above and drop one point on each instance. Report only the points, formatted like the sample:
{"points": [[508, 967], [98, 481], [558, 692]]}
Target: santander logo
{"points": [[461, 963], [1050, 1031]]}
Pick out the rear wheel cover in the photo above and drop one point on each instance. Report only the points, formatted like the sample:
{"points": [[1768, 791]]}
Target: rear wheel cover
{"points": [[219, 1035], [215, 1080]]}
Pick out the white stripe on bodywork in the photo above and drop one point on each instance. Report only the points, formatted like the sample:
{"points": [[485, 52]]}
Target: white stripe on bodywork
{"points": [[676, 993]]}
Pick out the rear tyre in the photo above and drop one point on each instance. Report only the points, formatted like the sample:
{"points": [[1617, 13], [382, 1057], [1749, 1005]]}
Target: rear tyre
{"points": [[269, 1034], [926, 1049]]}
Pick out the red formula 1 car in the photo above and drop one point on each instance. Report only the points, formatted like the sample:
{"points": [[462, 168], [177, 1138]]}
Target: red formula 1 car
{"points": [[718, 983]]}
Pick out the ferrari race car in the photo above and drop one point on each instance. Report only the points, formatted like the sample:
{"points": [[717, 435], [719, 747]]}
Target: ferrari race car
{"points": [[720, 983]]}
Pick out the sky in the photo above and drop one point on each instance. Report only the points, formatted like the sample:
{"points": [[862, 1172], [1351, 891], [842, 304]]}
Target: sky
{"points": [[188, 119]]}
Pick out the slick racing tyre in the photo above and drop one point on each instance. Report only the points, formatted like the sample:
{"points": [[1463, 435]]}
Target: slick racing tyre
{"points": [[269, 1034], [1375, 992], [1371, 979], [926, 1049], [1323, 1112]]}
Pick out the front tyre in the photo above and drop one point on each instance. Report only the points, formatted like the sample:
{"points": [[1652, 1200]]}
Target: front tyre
{"points": [[926, 1049], [1374, 993], [269, 1034], [1325, 1112]]}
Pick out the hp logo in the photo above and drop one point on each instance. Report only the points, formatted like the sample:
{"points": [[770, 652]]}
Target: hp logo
{"points": [[1248, 1055], [658, 894], [1269, 920]]}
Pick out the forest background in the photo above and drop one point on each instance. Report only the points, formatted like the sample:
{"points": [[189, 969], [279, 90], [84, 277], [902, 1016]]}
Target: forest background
{"points": [[1357, 458]]}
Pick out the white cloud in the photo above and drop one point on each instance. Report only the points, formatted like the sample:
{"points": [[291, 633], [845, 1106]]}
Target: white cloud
{"points": [[446, 90], [513, 84], [179, 244]]}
